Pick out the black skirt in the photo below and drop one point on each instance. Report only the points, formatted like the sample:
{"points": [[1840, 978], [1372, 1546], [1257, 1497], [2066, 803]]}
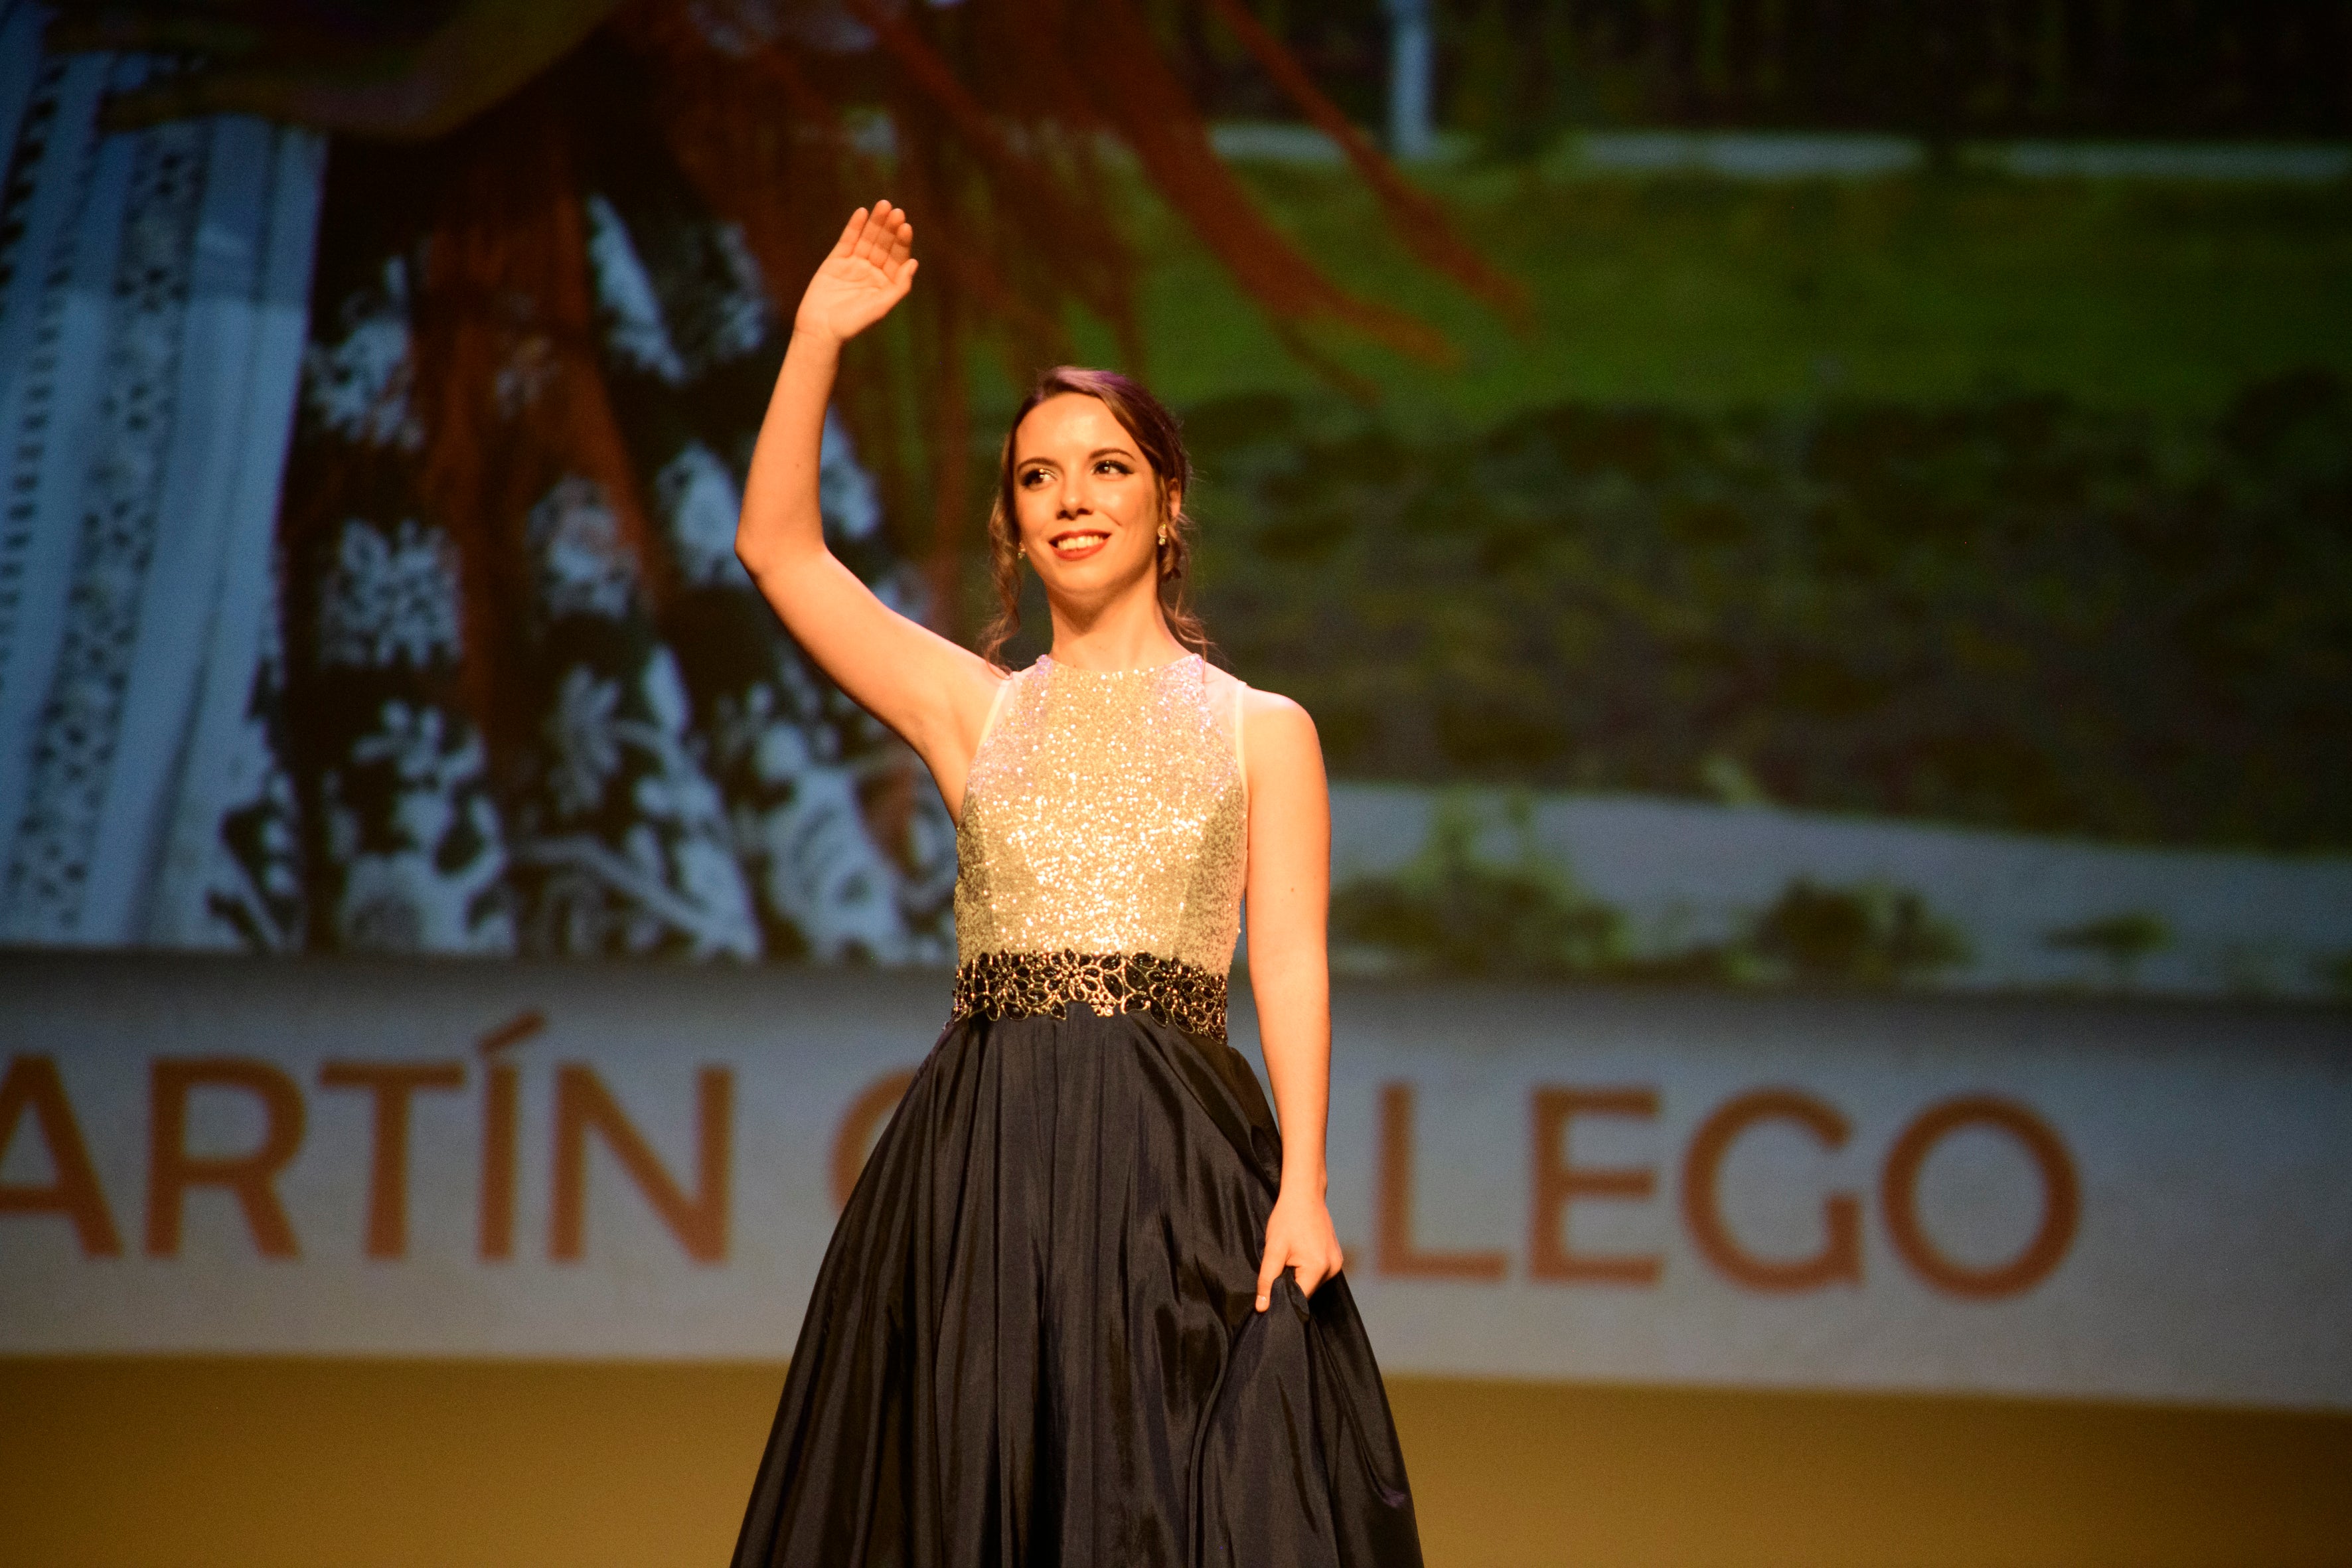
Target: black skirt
{"points": [[1034, 1340]]}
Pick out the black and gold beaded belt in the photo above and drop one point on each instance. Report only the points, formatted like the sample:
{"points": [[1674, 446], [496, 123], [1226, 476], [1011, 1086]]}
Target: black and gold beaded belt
{"points": [[1042, 985]]}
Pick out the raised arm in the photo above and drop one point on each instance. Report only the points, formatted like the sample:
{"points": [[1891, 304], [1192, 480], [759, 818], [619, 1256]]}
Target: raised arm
{"points": [[930, 691], [1288, 889]]}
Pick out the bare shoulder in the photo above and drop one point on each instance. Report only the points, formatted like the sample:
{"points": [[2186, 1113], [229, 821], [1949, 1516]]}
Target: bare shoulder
{"points": [[1261, 711], [1272, 714], [954, 724], [973, 684], [1289, 798], [977, 674], [1278, 740]]}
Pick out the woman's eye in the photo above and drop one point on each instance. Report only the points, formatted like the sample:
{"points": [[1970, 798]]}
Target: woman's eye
{"points": [[1112, 464]]}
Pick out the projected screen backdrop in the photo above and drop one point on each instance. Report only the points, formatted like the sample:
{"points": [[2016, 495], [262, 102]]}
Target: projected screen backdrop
{"points": [[1806, 544]]}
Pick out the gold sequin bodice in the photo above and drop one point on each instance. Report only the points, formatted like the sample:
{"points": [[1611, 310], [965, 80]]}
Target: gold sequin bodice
{"points": [[1102, 847]]}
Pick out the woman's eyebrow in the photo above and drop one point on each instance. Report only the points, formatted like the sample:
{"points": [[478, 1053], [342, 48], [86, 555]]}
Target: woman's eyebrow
{"points": [[1097, 452]]}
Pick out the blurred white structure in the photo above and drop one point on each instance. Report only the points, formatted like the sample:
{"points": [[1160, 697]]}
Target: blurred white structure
{"points": [[152, 295], [1684, 873], [1412, 55]]}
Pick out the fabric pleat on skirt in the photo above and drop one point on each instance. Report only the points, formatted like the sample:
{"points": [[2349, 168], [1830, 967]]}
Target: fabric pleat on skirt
{"points": [[1034, 1340]]}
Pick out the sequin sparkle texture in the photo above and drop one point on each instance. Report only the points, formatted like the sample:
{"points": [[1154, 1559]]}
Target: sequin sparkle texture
{"points": [[1105, 818]]}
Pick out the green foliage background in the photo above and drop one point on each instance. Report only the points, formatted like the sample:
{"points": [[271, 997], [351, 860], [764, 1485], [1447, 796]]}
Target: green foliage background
{"points": [[2012, 611], [2025, 504]]}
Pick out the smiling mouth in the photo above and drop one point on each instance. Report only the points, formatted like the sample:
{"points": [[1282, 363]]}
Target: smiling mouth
{"points": [[1077, 542]]}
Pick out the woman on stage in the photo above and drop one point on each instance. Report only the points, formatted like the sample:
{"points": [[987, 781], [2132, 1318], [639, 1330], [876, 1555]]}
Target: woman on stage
{"points": [[1084, 1306]]}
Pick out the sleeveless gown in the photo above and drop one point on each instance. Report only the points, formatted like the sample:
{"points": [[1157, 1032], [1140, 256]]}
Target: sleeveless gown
{"points": [[1033, 1338]]}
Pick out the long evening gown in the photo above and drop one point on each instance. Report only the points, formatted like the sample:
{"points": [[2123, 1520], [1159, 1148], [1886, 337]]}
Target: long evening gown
{"points": [[1034, 1340]]}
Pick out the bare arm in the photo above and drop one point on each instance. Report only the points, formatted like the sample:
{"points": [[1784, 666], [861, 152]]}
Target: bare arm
{"points": [[924, 687], [1288, 889]]}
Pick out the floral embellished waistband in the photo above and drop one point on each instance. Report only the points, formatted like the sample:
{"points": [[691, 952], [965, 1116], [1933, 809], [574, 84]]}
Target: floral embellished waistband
{"points": [[1041, 985]]}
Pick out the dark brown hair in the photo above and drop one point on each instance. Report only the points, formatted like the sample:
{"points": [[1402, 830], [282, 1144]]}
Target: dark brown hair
{"points": [[1162, 443]]}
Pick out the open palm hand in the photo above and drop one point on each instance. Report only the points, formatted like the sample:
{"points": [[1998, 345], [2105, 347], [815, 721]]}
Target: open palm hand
{"points": [[869, 270]]}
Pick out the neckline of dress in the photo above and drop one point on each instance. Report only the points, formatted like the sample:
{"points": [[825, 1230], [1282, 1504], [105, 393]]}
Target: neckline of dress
{"points": [[1053, 664]]}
